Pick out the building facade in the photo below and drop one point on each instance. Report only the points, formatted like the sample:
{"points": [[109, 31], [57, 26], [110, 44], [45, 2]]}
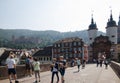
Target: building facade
{"points": [[92, 31], [107, 44], [101, 45], [44, 55], [111, 30], [69, 48], [118, 31]]}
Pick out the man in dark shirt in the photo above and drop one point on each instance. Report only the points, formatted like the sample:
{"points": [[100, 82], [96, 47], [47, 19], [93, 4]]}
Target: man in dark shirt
{"points": [[54, 70]]}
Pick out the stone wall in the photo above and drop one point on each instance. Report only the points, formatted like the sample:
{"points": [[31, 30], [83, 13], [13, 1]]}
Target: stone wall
{"points": [[20, 70], [116, 67]]}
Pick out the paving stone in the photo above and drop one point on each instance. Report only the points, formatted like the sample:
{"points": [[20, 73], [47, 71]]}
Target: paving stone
{"points": [[91, 74]]}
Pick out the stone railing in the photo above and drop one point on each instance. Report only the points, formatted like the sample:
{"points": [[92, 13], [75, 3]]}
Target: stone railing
{"points": [[116, 67], [20, 70]]}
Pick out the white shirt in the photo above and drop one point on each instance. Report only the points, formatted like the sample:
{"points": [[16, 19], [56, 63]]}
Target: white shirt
{"points": [[54, 69], [78, 62], [10, 63]]}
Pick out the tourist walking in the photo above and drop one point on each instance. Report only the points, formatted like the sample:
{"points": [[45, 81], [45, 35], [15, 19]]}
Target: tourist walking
{"points": [[83, 63], [11, 66], [62, 65], [102, 59], [78, 63], [72, 63], [36, 66], [54, 70], [98, 62], [101, 62], [106, 63]]}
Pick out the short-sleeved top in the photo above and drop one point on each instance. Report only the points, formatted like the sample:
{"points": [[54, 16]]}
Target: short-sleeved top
{"points": [[55, 67], [78, 62], [36, 65], [64, 63], [10, 63]]}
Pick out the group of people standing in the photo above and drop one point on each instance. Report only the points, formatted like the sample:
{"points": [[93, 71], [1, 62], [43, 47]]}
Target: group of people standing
{"points": [[29, 63], [32, 65], [58, 66], [102, 59]]}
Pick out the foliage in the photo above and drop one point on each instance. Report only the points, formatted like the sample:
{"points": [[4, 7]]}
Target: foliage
{"points": [[33, 39]]}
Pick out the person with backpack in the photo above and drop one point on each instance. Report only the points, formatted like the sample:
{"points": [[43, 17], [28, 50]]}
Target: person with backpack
{"points": [[28, 66], [54, 70], [106, 63]]}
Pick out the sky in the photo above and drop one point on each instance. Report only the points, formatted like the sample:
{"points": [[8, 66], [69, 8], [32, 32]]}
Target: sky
{"points": [[59, 15]]}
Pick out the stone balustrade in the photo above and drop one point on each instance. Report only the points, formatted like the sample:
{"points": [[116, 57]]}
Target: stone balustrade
{"points": [[20, 70], [116, 67]]}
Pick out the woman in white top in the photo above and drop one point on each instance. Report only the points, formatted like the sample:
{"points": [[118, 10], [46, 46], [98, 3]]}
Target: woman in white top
{"points": [[11, 65]]}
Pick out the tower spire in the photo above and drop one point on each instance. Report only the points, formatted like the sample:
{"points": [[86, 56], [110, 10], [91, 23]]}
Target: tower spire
{"points": [[111, 17], [92, 21], [119, 16], [119, 20]]}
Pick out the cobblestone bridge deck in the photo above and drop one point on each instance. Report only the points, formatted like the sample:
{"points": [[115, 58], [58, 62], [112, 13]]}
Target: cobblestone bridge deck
{"points": [[91, 74]]}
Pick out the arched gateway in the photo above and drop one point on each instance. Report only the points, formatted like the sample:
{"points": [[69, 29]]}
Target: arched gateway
{"points": [[101, 44]]}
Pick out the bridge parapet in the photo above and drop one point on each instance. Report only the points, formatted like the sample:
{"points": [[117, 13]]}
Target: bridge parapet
{"points": [[116, 67], [20, 70]]}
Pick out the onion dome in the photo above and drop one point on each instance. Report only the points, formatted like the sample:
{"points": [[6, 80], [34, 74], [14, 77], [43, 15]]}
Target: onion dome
{"points": [[119, 21], [111, 22], [92, 25]]}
